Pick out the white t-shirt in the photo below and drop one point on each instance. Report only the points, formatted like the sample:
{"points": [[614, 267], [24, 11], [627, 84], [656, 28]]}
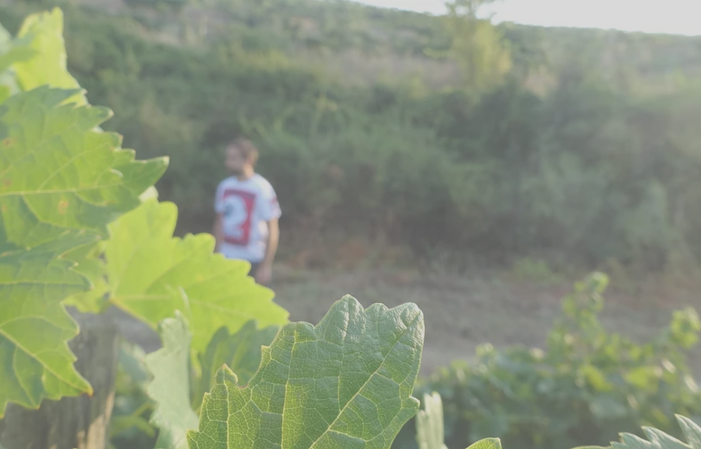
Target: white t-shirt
{"points": [[246, 207]]}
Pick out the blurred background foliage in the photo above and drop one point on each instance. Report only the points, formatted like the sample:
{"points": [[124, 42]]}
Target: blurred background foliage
{"points": [[449, 137]]}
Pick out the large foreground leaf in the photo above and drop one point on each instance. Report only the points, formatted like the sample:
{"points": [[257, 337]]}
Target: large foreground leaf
{"points": [[151, 275], [57, 174], [171, 384], [61, 183], [345, 383], [240, 351], [35, 361]]}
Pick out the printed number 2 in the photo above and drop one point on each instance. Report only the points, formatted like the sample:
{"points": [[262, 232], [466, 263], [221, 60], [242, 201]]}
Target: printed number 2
{"points": [[238, 211]]}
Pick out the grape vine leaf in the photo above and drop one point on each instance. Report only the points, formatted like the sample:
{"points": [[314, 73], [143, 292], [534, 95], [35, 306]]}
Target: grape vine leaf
{"points": [[691, 430], [429, 423], [346, 382], [12, 51], [171, 384], [487, 443], [43, 33], [91, 266], [61, 182], [658, 439], [35, 360], [58, 174], [240, 351], [151, 275]]}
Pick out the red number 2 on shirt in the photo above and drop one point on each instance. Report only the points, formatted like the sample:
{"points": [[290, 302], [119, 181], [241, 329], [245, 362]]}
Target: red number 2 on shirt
{"points": [[238, 216]]}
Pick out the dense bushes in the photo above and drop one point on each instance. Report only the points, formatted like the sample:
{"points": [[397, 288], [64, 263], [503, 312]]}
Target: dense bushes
{"points": [[583, 389], [583, 173]]}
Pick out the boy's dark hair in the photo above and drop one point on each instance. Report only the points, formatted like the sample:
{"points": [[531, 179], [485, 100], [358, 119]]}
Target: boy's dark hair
{"points": [[246, 147]]}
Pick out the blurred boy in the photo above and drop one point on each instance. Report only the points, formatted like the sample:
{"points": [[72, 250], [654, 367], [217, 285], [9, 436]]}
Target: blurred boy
{"points": [[247, 210]]}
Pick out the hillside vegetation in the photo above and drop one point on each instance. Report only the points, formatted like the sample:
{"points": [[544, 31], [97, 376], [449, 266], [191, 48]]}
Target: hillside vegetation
{"points": [[430, 138]]}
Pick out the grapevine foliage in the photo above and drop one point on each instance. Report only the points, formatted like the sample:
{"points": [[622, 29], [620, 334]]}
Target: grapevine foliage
{"points": [[76, 228], [240, 352], [660, 440], [170, 387], [346, 382], [585, 387], [41, 36], [62, 181], [151, 274]]}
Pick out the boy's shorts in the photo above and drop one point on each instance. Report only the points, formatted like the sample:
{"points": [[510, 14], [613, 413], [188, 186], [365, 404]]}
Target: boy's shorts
{"points": [[254, 267]]}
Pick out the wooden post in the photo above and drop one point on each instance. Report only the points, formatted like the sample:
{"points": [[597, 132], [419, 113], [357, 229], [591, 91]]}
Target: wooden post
{"points": [[72, 423]]}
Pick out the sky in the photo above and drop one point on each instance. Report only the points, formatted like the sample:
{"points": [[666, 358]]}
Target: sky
{"points": [[650, 16]]}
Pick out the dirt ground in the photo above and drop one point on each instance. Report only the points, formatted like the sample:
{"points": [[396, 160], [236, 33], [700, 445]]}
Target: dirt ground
{"points": [[463, 312]]}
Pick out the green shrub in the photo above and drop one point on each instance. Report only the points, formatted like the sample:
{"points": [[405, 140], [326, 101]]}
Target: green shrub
{"points": [[587, 385], [430, 432], [386, 179], [506, 175]]}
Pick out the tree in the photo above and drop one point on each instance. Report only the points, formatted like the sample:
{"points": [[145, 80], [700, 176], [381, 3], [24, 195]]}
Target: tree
{"points": [[478, 46]]}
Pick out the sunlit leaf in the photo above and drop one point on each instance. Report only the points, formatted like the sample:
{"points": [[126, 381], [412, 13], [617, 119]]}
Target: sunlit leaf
{"points": [[35, 361], [57, 174], [487, 443], [345, 383], [152, 274], [43, 33]]}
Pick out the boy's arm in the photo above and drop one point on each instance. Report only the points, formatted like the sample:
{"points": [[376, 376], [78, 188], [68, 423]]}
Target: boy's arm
{"points": [[218, 232], [264, 273]]}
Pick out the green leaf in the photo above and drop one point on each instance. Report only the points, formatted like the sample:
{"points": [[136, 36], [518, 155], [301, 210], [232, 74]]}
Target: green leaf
{"points": [[643, 377], [240, 351], [92, 268], [692, 431], [44, 31], [152, 274], [119, 424], [171, 384], [487, 443], [346, 382], [61, 182], [57, 174], [35, 361], [429, 423], [596, 378], [660, 440], [11, 52]]}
